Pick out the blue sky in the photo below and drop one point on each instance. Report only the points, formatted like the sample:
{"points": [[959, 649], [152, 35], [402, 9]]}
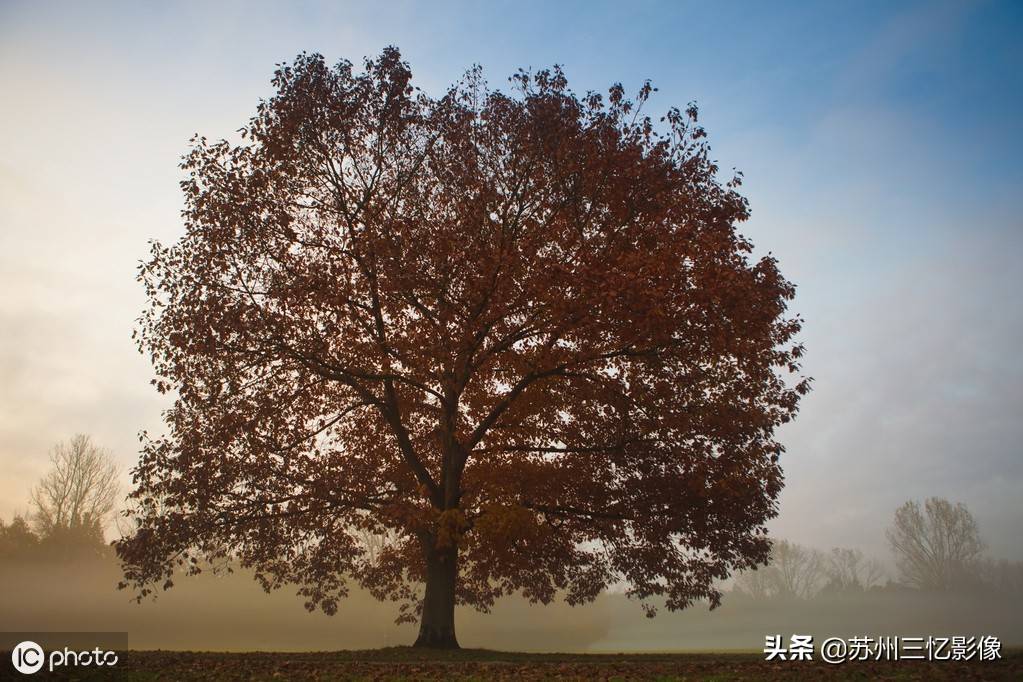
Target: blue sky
{"points": [[880, 143]]}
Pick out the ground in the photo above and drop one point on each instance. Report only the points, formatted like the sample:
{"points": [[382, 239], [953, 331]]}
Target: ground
{"points": [[403, 663]]}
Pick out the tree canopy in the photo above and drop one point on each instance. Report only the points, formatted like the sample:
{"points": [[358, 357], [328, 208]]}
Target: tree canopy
{"points": [[518, 332]]}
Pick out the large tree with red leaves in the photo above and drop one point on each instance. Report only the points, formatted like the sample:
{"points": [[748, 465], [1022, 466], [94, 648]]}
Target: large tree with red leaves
{"points": [[519, 333]]}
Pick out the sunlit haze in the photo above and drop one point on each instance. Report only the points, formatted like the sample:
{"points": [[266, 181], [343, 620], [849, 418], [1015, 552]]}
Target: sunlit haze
{"points": [[880, 144]]}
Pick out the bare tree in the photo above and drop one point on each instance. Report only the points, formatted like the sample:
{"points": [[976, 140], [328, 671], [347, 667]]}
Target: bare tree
{"points": [[937, 546], [79, 491], [793, 571], [800, 569], [850, 570], [758, 583]]}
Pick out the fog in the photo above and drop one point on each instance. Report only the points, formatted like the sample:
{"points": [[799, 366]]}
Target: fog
{"points": [[232, 613]]}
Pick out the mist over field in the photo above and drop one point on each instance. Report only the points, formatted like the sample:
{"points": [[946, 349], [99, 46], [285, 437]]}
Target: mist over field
{"points": [[232, 613]]}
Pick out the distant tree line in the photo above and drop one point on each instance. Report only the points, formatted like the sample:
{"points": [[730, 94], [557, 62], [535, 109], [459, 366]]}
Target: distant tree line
{"points": [[936, 546], [801, 572]]}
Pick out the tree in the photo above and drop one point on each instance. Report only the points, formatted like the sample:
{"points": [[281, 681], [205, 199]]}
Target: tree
{"points": [[849, 571], [800, 569], [757, 583], [793, 571], [77, 496], [936, 547], [17, 540], [518, 332]]}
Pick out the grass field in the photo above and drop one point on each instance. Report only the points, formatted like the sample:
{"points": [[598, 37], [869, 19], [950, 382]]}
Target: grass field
{"points": [[404, 663]]}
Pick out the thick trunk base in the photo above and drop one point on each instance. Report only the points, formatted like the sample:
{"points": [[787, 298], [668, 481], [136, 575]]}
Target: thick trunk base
{"points": [[436, 639], [437, 628]]}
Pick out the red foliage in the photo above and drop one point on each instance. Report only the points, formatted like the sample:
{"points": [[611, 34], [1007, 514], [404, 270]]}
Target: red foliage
{"points": [[518, 328]]}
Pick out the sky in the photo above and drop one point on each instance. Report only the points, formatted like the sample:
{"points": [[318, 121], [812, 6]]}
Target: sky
{"points": [[880, 144]]}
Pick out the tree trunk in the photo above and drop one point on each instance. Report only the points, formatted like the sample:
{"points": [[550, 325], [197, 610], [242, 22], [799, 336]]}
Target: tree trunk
{"points": [[437, 628]]}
